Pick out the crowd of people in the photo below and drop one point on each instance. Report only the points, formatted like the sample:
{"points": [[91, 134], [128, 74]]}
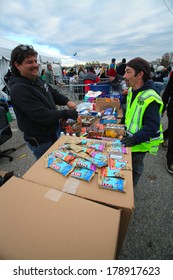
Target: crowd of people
{"points": [[34, 101]]}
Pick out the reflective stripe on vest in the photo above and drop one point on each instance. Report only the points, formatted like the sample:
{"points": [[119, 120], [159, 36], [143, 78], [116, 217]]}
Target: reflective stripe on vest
{"points": [[134, 118]]}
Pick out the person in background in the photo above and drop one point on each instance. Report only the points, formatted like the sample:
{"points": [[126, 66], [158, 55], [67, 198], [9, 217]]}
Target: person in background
{"points": [[43, 75], [167, 98], [103, 73], [121, 68], [143, 115], [152, 71], [71, 73], [81, 73], [49, 74], [112, 64], [34, 102], [90, 78]]}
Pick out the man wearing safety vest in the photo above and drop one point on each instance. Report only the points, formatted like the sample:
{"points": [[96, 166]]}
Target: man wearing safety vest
{"points": [[143, 115]]}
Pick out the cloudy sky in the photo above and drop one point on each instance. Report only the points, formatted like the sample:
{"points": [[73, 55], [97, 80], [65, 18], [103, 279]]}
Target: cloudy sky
{"points": [[96, 30]]}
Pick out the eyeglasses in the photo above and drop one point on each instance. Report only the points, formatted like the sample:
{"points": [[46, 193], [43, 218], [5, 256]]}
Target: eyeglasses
{"points": [[25, 47]]}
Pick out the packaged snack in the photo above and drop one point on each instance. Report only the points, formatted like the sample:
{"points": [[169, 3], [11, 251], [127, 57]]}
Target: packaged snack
{"points": [[85, 141], [108, 172], [117, 149], [83, 174], [98, 155], [62, 167], [99, 163], [49, 159], [74, 161], [111, 183], [116, 142], [87, 150], [66, 156], [97, 146], [119, 163], [73, 140], [75, 148], [86, 164], [81, 155]]}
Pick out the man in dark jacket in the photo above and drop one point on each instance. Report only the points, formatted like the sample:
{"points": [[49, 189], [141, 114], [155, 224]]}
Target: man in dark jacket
{"points": [[167, 98], [34, 102], [143, 115]]}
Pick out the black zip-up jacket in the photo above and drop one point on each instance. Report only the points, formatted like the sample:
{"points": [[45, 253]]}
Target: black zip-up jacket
{"points": [[34, 103], [167, 96]]}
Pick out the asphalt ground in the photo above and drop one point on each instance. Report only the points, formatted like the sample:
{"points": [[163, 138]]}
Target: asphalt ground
{"points": [[150, 233]]}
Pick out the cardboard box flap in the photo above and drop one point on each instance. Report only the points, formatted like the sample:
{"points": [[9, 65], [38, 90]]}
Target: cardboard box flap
{"points": [[42, 223]]}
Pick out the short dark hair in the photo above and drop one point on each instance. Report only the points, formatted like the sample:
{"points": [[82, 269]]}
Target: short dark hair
{"points": [[18, 55], [91, 69]]}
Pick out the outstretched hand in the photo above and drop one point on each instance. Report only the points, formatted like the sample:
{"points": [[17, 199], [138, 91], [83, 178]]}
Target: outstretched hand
{"points": [[71, 105]]}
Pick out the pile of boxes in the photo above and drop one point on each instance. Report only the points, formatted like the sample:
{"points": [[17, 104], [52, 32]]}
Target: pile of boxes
{"points": [[45, 215]]}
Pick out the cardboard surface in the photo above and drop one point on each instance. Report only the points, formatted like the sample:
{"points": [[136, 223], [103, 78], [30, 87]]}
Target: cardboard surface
{"points": [[42, 223], [39, 174], [102, 103]]}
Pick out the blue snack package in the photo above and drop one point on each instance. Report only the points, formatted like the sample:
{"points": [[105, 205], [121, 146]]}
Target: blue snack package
{"points": [[99, 163], [108, 172], [97, 146], [110, 183], [83, 174], [85, 164], [99, 156], [119, 163], [61, 167]]}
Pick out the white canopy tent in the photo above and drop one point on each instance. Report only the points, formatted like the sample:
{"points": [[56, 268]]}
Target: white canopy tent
{"points": [[6, 47]]}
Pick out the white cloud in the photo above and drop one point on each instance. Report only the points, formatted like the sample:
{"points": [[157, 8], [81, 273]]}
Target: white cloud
{"points": [[97, 30]]}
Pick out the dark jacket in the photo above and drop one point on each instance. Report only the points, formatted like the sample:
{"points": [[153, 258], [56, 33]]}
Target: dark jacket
{"points": [[167, 96], [34, 104]]}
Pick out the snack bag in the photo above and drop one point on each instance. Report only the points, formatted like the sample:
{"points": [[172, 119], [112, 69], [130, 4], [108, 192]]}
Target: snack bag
{"points": [[66, 156], [97, 146], [83, 174], [118, 163], [85, 141], [87, 150], [85, 164], [99, 156], [117, 149], [75, 148], [62, 167], [49, 159], [111, 183], [117, 142], [99, 163], [108, 172]]}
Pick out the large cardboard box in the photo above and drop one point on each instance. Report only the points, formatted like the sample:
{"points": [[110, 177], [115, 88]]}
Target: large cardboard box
{"points": [[39, 223], [102, 103], [39, 174]]}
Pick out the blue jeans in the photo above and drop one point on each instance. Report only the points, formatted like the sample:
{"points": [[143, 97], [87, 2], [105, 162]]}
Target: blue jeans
{"points": [[41, 148], [137, 165]]}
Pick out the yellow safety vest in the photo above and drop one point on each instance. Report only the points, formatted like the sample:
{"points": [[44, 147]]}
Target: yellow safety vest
{"points": [[134, 118]]}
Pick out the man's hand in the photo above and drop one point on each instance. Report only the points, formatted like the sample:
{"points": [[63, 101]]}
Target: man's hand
{"points": [[128, 141], [70, 114], [71, 105]]}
